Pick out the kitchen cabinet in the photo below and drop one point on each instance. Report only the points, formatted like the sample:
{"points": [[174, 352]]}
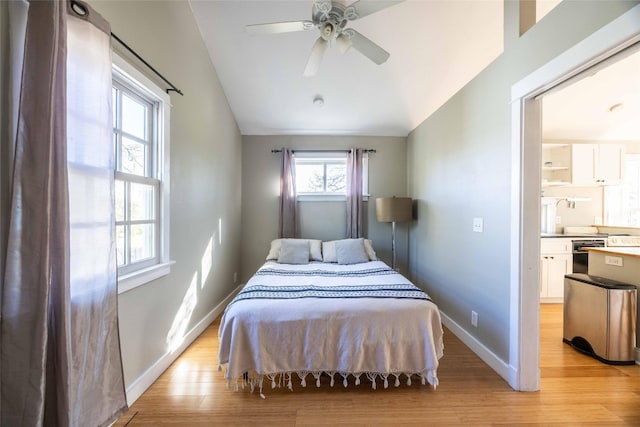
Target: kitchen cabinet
{"points": [[556, 164], [582, 164], [597, 164], [556, 260]]}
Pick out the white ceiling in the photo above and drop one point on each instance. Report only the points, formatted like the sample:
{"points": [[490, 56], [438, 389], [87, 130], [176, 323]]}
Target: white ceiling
{"points": [[581, 111], [436, 47]]}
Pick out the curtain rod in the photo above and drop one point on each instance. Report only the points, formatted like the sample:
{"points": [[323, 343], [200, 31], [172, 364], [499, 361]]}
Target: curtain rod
{"points": [[366, 150], [173, 88]]}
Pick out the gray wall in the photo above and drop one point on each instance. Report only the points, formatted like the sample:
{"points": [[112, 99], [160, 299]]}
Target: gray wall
{"points": [[321, 220], [459, 168], [205, 183]]}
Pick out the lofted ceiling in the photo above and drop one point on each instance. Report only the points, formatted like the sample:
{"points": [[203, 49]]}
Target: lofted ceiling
{"points": [[604, 105], [436, 47]]}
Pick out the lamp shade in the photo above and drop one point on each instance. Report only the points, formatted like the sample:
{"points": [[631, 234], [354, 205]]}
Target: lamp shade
{"points": [[390, 209]]}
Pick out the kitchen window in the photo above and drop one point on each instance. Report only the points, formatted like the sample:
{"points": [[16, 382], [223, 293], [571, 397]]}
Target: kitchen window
{"points": [[622, 202], [141, 148]]}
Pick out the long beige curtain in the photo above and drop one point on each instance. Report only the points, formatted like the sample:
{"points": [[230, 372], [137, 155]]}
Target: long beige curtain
{"points": [[354, 193], [61, 361]]}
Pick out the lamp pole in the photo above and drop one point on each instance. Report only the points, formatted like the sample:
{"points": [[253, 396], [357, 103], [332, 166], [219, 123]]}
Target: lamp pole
{"points": [[394, 209], [393, 245]]}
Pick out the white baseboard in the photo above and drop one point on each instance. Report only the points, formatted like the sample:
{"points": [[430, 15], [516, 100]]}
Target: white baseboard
{"points": [[144, 381], [507, 372]]}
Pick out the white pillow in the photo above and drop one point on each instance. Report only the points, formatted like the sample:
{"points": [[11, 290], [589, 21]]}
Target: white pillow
{"points": [[294, 252], [351, 251], [315, 249], [368, 247], [329, 250]]}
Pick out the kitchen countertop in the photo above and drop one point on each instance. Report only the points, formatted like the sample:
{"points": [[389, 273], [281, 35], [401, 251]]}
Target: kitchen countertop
{"points": [[572, 236], [618, 250]]}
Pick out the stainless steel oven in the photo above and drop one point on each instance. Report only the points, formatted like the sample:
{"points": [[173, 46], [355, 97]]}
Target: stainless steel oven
{"points": [[581, 255]]}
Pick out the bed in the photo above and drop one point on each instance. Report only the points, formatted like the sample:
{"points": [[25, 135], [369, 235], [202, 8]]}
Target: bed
{"points": [[351, 321]]}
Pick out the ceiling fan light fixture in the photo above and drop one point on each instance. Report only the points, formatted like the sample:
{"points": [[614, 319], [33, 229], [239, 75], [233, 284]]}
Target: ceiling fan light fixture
{"points": [[328, 31], [343, 42]]}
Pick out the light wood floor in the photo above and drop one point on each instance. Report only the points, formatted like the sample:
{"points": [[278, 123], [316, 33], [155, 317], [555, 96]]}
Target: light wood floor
{"points": [[575, 390]]}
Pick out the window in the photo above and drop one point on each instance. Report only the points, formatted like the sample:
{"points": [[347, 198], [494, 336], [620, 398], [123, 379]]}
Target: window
{"points": [[141, 148], [631, 191], [622, 203], [321, 176]]}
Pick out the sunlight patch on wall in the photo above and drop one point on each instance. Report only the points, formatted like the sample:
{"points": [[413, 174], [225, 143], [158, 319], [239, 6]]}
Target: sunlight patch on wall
{"points": [[206, 261], [181, 321]]}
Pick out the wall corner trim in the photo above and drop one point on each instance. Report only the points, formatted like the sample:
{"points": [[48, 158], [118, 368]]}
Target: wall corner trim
{"points": [[144, 381]]}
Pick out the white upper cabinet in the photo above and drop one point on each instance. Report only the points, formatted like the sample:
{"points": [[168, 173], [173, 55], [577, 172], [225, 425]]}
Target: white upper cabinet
{"points": [[597, 164], [582, 164], [611, 163]]}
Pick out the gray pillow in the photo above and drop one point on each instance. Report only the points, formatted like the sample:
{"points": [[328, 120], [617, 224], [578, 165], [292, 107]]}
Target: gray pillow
{"points": [[294, 252], [351, 251]]}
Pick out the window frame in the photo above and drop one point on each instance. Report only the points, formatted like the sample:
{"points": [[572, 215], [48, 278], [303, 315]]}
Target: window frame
{"points": [[144, 272], [324, 157], [129, 179]]}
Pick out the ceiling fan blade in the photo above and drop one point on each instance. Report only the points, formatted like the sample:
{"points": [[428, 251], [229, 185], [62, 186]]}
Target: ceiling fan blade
{"points": [[279, 27], [368, 48], [317, 52], [367, 7]]}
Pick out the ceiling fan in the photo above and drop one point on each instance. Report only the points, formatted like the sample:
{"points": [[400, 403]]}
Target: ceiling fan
{"points": [[331, 18]]}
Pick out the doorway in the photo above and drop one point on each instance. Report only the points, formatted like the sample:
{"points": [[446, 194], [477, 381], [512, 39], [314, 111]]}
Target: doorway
{"points": [[526, 204]]}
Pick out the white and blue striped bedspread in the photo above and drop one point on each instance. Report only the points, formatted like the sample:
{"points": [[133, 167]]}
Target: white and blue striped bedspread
{"points": [[320, 317]]}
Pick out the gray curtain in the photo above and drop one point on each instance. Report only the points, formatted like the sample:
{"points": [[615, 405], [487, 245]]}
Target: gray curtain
{"points": [[287, 221], [60, 349], [354, 193]]}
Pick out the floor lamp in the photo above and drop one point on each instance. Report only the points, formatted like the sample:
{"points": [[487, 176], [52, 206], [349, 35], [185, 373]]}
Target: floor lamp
{"points": [[394, 209]]}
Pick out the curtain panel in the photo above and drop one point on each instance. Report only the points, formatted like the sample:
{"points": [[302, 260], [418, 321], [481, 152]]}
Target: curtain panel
{"points": [[288, 216], [60, 349], [354, 193]]}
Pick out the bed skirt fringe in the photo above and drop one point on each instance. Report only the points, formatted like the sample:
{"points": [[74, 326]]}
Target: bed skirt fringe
{"points": [[283, 379]]}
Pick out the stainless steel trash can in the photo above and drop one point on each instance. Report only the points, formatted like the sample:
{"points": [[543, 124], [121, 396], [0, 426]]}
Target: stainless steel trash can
{"points": [[600, 318]]}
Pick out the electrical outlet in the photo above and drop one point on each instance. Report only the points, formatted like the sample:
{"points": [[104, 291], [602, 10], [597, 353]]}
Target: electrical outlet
{"points": [[558, 219], [474, 319], [478, 225], [613, 260]]}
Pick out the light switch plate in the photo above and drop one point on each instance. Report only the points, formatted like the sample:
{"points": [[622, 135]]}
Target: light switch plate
{"points": [[478, 225]]}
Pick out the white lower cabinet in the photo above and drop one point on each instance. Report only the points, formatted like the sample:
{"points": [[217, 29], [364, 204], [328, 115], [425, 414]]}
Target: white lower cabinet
{"points": [[556, 260]]}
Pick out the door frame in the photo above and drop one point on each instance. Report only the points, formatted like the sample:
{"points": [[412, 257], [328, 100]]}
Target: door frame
{"points": [[526, 119]]}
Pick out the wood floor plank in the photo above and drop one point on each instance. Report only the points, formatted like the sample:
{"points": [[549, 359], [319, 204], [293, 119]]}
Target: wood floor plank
{"points": [[576, 390]]}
